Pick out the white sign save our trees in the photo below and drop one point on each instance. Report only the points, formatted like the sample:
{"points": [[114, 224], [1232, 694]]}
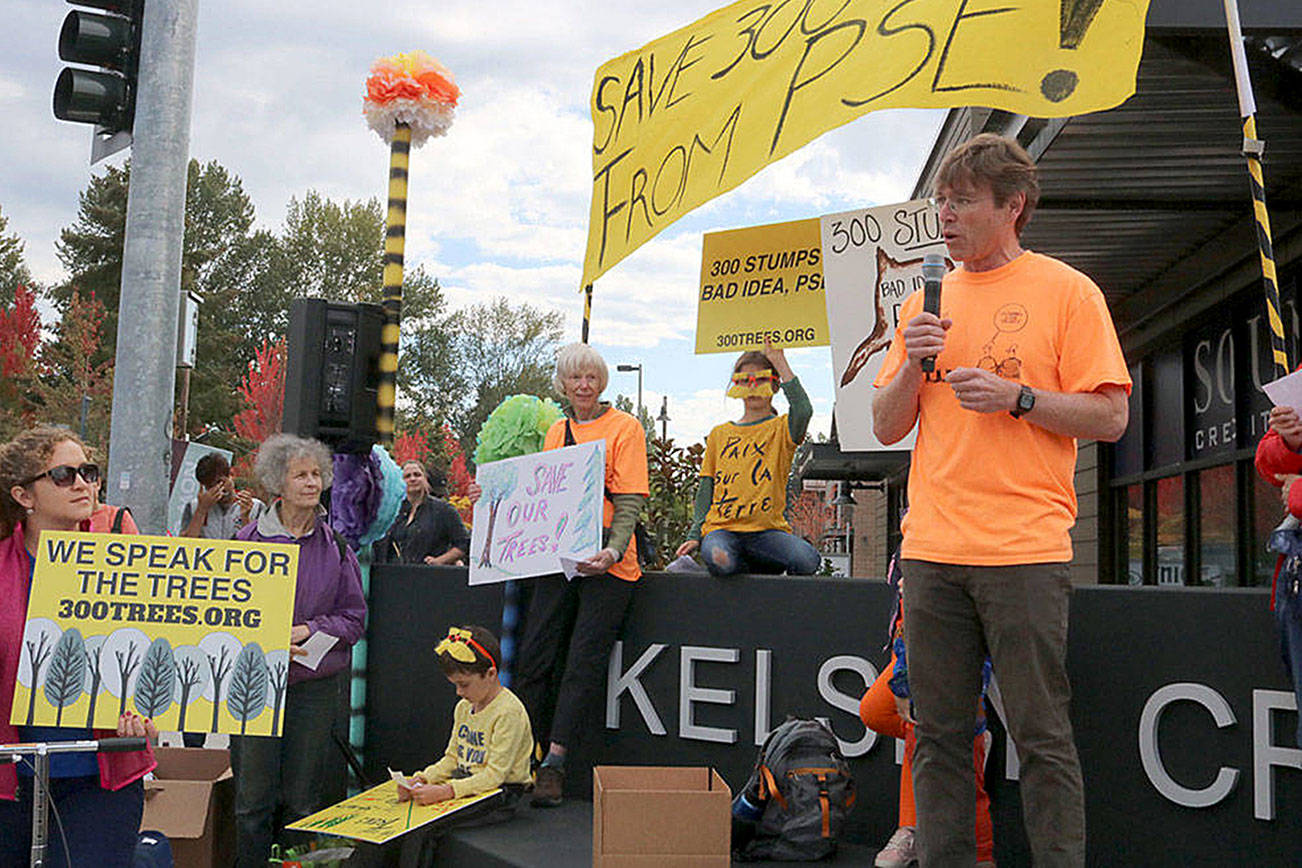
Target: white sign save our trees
{"points": [[536, 509]]}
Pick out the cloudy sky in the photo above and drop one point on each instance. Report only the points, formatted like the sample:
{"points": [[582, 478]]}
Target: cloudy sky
{"points": [[499, 206]]}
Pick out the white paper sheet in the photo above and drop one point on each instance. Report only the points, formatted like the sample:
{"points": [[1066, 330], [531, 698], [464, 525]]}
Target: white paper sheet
{"points": [[403, 781], [570, 566], [1286, 391], [316, 647]]}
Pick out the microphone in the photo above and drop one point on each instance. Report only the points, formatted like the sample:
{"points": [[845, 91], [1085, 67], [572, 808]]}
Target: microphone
{"points": [[933, 272]]}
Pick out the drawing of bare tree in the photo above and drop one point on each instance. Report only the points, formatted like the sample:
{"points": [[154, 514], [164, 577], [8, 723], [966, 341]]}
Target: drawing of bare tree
{"points": [[220, 649], [191, 665], [122, 654], [38, 644], [219, 667], [278, 669], [94, 647]]}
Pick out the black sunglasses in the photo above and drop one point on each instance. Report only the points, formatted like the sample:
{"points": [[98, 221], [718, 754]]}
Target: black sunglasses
{"points": [[64, 474]]}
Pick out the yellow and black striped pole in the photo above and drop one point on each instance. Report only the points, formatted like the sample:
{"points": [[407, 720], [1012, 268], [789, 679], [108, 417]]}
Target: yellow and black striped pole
{"points": [[1252, 150], [587, 310], [394, 240]]}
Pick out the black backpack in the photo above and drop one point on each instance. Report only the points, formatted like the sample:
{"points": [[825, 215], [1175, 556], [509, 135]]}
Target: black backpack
{"points": [[803, 786]]}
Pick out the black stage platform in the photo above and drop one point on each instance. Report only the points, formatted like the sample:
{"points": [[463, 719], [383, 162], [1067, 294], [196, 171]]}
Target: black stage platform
{"points": [[560, 838], [1182, 709]]}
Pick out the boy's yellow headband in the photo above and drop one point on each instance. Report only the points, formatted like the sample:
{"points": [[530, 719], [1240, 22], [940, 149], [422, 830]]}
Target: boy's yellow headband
{"points": [[458, 645], [753, 384]]}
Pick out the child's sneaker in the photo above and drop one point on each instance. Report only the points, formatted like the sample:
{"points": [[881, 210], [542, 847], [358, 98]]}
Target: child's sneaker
{"points": [[898, 852], [547, 787]]}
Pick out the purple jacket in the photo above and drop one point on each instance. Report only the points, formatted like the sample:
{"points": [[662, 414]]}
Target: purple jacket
{"points": [[328, 597]]}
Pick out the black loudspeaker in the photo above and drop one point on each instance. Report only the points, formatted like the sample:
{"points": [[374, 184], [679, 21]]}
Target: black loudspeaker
{"points": [[333, 372]]}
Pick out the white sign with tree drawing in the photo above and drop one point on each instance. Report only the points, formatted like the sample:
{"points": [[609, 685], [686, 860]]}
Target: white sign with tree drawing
{"points": [[535, 509]]}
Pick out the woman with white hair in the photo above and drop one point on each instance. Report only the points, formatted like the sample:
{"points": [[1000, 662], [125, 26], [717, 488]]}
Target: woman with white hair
{"points": [[280, 780], [571, 626]]}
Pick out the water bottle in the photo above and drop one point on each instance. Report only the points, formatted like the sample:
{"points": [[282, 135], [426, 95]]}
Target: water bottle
{"points": [[747, 809]]}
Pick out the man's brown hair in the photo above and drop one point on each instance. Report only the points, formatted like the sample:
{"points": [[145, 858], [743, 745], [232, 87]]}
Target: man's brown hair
{"points": [[997, 162]]}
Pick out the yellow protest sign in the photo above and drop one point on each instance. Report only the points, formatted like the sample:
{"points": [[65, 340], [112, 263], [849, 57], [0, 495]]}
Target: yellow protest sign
{"points": [[761, 282], [376, 815], [193, 633], [693, 114]]}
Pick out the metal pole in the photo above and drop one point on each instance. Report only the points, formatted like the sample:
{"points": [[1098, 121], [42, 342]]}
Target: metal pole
{"points": [[639, 393], [40, 804], [587, 310], [145, 369], [85, 412]]}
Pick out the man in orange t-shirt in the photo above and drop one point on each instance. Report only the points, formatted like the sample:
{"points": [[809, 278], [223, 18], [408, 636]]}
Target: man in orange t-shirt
{"points": [[1027, 361]]}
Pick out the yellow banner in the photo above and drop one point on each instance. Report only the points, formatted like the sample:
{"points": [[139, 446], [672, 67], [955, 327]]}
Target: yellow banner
{"points": [[693, 114], [192, 633], [763, 281], [376, 815]]}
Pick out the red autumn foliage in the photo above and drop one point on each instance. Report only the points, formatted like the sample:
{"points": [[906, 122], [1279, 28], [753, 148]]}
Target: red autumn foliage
{"points": [[263, 389], [459, 477], [411, 446], [811, 516], [20, 335]]}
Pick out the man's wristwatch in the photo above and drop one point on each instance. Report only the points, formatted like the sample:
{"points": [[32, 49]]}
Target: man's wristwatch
{"points": [[1025, 402]]}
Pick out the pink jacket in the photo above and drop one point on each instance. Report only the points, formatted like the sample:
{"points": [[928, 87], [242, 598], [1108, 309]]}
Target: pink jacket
{"points": [[116, 770]]}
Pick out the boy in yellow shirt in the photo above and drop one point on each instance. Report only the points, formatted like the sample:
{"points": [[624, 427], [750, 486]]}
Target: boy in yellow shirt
{"points": [[491, 738], [490, 747]]}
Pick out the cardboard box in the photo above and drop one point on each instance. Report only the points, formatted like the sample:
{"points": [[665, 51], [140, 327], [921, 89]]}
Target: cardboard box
{"points": [[192, 801], [660, 817]]}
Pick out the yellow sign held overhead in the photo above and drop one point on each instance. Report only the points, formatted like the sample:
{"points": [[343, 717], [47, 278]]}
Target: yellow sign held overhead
{"points": [[693, 114], [761, 282]]}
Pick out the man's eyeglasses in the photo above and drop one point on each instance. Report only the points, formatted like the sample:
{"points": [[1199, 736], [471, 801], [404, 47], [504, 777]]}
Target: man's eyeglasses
{"points": [[65, 474], [957, 204]]}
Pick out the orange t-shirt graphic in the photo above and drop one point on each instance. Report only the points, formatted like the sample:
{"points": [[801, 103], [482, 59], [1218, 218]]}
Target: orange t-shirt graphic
{"points": [[626, 471], [986, 489]]}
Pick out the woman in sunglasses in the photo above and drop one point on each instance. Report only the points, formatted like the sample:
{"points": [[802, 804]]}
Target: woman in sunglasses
{"points": [[46, 484], [739, 523]]}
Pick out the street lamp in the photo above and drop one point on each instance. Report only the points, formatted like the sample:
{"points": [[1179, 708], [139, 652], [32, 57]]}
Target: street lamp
{"points": [[663, 418], [625, 369], [844, 496]]}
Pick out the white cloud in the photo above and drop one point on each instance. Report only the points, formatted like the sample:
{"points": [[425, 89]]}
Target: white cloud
{"points": [[500, 205]]}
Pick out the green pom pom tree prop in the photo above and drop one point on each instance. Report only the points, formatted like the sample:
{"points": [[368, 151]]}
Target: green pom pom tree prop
{"points": [[516, 427]]}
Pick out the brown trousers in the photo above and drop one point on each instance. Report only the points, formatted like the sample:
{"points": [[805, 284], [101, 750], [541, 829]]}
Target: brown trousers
{"points": [[953, 616]]}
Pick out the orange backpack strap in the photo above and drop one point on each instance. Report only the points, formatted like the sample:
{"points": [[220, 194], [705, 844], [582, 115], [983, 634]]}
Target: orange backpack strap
{"points": [[767, 783]]}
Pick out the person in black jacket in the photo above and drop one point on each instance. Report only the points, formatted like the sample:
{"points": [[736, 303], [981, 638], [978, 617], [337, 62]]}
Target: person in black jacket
{"points": [[428, 529]]}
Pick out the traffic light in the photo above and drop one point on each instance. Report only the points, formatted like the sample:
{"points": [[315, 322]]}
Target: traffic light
{"points": [[108, 39]]}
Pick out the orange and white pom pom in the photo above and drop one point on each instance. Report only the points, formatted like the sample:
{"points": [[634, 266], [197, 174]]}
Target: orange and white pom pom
{"points": [[411, 88]]}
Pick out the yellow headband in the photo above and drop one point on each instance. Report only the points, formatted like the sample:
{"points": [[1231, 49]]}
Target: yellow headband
{"points": [[460, 646], [753, 384]]}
